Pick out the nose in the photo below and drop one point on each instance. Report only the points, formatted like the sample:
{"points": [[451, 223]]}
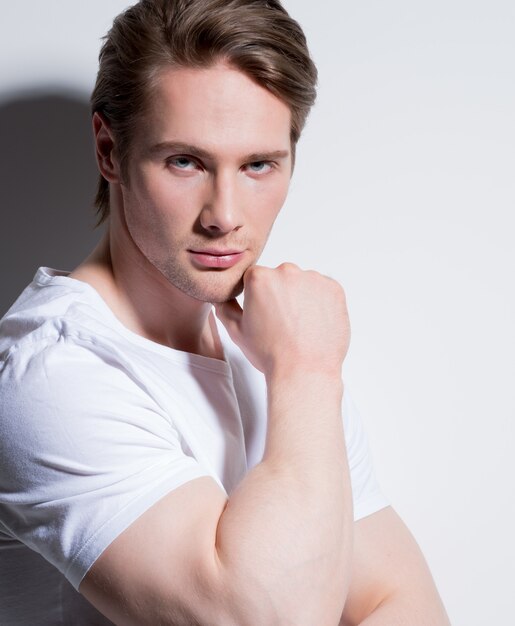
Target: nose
{"points": [[221, 212]]}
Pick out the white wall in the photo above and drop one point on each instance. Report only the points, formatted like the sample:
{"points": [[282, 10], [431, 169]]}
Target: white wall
{"points": [[404, 191]]}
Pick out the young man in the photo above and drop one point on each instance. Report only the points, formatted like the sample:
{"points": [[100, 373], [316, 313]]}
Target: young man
{"points": [[176, 469]]}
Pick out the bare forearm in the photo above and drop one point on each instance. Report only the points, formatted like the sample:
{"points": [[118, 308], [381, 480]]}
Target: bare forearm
{"points": [[286, 533]]}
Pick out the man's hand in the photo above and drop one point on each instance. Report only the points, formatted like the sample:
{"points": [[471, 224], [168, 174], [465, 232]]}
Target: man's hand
{"points": [[291, 319]]}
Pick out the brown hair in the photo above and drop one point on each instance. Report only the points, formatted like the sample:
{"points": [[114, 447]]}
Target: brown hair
{"points": [[257, 37]]}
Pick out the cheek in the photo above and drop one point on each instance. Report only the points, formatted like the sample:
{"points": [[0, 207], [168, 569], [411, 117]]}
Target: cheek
{"points": [[142, 221], [161, 206], [146, 222], [270, 200]]}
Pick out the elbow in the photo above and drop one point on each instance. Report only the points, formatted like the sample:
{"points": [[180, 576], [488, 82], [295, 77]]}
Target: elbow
{"points": [[246, 600]]}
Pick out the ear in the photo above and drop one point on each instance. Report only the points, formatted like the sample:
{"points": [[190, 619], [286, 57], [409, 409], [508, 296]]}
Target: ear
{"points": [[104, 145]]}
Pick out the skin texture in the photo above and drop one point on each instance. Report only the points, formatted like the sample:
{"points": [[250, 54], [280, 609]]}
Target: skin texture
{"points": [[238, 560]]}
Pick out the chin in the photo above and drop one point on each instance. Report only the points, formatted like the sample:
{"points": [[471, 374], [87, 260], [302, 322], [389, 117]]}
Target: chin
{"points": [[222, 294], [212, 287]]}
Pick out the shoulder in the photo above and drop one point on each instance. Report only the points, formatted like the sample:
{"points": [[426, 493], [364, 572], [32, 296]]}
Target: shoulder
{"points": [[51, 349], [66, 382], [50, 307], [59, 329]]}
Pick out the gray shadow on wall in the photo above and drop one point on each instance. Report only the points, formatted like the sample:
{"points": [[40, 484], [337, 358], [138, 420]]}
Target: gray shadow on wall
{"points": [[47, 184]]}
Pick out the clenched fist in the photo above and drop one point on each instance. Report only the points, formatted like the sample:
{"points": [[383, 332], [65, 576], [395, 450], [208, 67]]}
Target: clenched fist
{"points": [[291, 319]]}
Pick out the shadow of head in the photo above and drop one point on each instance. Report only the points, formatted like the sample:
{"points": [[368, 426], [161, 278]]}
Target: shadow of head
{"points": [[49, 178]]}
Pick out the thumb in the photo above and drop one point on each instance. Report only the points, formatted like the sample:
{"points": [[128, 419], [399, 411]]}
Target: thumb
{"points": [[230, 314]]}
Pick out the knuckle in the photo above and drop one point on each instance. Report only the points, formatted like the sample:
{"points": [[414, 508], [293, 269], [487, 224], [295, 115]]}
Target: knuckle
{"points": [[253, 273], [336, 287], [288, 267], [339, 290]]}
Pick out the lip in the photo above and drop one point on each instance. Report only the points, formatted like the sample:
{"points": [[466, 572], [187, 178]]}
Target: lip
{"points": [[216, 259]]}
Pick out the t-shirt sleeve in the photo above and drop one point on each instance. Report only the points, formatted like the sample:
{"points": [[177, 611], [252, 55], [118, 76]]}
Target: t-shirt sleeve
{"points": [[367, 495], [84, 451]]}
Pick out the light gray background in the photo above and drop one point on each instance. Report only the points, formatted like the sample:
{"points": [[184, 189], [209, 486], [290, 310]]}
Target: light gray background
{"points": [[404, 191]]}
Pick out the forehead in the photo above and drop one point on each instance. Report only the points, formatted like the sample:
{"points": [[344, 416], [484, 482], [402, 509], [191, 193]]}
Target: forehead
{"points": [[218, 108]]}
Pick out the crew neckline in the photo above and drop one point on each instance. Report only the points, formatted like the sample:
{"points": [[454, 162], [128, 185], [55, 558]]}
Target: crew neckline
{"points": [[46, 276]]}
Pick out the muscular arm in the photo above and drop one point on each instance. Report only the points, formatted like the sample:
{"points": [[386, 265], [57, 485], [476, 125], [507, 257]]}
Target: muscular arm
{"points": [[391, 582], [279, 550], [287, 529]]}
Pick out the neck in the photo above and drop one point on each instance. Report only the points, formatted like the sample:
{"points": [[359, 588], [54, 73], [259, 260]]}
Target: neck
{"points": [[144, 301]]}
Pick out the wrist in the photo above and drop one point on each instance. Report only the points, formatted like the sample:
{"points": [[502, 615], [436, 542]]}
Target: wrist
{"points": [[302, 379]]}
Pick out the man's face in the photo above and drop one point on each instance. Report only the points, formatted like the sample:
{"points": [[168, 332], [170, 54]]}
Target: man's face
{"points": [[208, 173]]}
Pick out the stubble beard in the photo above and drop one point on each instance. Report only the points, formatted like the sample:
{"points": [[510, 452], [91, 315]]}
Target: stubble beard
{"points": [[208, 286]]}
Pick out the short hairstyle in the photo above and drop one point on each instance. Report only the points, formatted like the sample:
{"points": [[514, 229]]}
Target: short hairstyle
{"points": [[257, 37]]}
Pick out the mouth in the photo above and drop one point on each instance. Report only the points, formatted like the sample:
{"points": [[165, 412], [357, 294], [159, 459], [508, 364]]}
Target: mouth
{"points": [[212, 258]]}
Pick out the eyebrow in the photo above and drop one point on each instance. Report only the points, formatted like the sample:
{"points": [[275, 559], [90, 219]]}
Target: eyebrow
{"points": [[185, 148]]}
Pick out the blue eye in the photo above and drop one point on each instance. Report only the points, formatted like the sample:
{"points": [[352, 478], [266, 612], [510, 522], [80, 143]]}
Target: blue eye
{"points": [[259, 166], [182, 163]]}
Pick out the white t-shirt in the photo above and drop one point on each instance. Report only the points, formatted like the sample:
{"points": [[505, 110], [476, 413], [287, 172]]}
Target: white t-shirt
{"points": [[98, 423]]}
